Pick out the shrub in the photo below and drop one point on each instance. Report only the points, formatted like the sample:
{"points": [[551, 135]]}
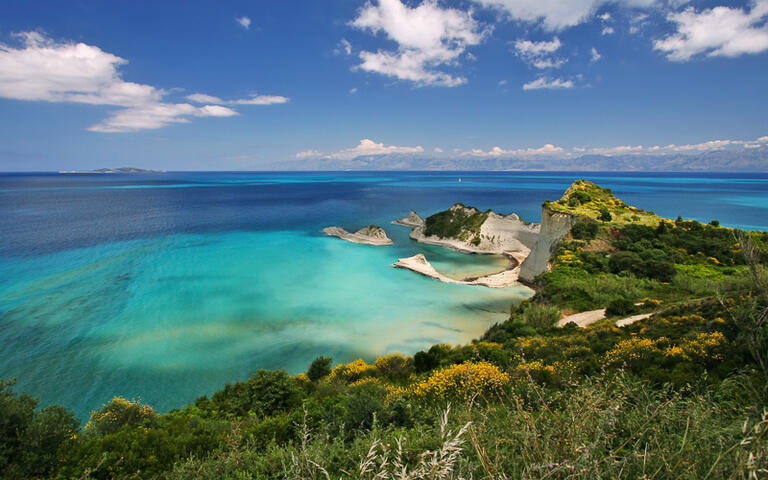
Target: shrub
{"points": [[620, 306], [584, 230], [319, 368], [117, 413], [605, 215], [462, 380], [540, 316], [30, 439], [267, 392]]}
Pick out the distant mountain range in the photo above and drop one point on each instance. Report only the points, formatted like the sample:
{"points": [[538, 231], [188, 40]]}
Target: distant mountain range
{"points": [[746, 160], [114, 170]]}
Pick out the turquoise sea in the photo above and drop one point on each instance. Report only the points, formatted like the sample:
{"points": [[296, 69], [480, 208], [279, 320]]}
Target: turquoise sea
{"points": [[166, 286]]}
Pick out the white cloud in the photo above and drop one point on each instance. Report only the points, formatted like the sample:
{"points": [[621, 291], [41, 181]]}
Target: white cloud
{"points": [[203, 98], [547, 149], [366, 147], [502, 83], [252, 100], [708, 146], [548, 83], [607, 30], [260, 100], [438, 150], [309, 154], [621, 150], [369, 147], [719, 31], [538, 54], [244, 22], [555, 15], [428, 37], [343, 47], [157, 115], [43, 70], [527, 47], [605, 17], [595, 55], [352, 91]]}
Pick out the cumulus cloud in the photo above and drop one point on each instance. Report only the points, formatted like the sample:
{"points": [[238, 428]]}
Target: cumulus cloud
{"points": [[608, 30], [244, 22], [428, 38], [43, 70], [594, 55], [366, 147], [548, 83], [715, 32], [539, 54], [548, 149], [555, 15]]}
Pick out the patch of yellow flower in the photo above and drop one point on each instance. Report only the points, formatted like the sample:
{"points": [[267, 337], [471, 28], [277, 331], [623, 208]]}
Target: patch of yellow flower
{"points": [[364, 381], [702, 347], [352, 371], [462, 380]]}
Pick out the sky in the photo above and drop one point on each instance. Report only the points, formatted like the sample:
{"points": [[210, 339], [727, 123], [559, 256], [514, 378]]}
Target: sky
{"points": [[243, 85]]}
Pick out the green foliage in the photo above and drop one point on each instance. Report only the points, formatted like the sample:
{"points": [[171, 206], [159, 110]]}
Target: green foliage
{"points": [[605, 215], [267, 392], [584, 229], [319, 368], [620, 306], [457, 222], [30, 439], [540, 316], [120, 412]]}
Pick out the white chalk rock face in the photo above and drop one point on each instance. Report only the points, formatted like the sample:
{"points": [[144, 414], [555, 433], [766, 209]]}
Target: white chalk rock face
{"points": [[370, 235], [554, 226], [412, 220]]}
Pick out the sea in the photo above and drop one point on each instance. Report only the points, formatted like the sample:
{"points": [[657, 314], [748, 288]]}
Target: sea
{"points": [[164, 287]]}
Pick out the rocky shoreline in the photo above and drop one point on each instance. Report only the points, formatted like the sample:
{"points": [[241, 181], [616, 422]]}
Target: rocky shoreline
{"points": [[370, 235], [419, 264]]}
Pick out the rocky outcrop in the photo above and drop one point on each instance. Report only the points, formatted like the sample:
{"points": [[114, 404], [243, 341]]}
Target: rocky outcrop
{"points": [[370, 235], [497, 234], [420, 264], [554, 226], [412, 220]]}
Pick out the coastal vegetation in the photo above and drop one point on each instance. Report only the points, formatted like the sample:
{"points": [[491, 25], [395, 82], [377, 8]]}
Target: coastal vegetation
{"points": [[681, 394], [459, 222]]}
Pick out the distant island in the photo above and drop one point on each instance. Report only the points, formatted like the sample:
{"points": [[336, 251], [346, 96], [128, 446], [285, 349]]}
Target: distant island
{"points": [[114, 170]]}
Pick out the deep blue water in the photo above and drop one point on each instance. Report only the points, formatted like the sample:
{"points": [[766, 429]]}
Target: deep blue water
{"points": [[167, 286]]}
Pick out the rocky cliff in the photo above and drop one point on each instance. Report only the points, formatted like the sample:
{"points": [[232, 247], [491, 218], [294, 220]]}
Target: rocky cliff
{"points": [[554, 226]]}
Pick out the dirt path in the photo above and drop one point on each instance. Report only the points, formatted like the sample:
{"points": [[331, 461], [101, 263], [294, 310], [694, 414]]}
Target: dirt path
{"points": [[585, 319]]}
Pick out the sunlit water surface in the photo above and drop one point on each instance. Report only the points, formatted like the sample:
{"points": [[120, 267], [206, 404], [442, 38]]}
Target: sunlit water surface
{"points": [[165, 287]]}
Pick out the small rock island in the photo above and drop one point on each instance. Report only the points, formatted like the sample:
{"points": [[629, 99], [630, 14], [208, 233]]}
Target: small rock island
{"points": [[370, 235]]}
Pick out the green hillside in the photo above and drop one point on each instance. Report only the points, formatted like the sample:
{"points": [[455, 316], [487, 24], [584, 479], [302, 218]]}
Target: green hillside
{"points": [[681, 394]]}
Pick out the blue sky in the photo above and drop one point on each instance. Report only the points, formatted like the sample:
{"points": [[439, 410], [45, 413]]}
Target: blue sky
{"points": [[242, 85]]}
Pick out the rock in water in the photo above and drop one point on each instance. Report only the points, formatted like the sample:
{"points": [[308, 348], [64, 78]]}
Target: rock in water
{"points": [[370, 235]]}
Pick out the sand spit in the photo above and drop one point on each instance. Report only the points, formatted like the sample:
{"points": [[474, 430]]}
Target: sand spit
{"points": [[420, 264], [370, 235]]}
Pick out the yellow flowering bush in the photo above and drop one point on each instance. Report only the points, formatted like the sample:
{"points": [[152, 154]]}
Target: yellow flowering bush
{"points": [[465, 379], [118, 412], [352, 371], [702, 348], [393, 366], [635, 349]]}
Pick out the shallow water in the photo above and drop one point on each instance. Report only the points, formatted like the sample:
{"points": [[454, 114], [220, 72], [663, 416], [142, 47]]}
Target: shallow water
{"points": [[168, 286]]}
